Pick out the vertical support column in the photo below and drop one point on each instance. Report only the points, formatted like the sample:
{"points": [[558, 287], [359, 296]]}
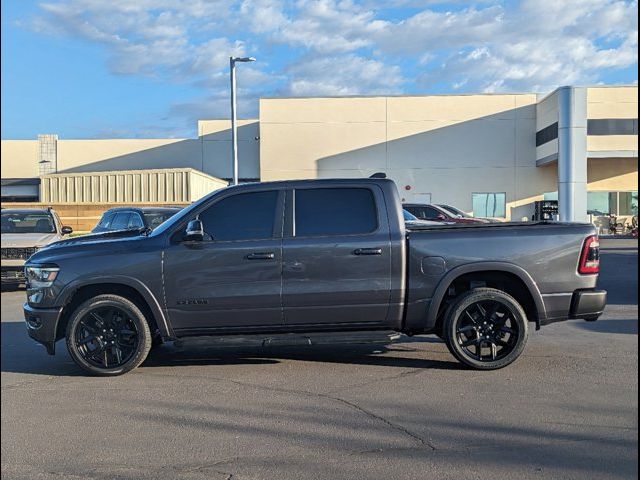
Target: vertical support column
{"points": [[572, 154]]}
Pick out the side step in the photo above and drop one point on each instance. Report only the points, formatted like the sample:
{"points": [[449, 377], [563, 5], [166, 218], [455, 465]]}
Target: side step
{"points": [[292, 339]]}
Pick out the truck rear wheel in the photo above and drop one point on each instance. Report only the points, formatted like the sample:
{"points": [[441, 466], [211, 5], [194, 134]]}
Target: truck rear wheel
{"points": [[108, 335], [486, 329]]}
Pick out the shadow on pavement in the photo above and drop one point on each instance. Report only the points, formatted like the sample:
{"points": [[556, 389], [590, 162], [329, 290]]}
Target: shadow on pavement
{"points": [[168, 355], [22, 355], [628, 326]]}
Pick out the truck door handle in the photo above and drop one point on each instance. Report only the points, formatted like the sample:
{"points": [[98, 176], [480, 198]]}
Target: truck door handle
{"points": [[368, 251], [261, 256]]}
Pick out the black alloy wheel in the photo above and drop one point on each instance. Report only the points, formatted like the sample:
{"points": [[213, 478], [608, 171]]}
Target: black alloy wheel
{"points": [[486, 328], [108, 335]]}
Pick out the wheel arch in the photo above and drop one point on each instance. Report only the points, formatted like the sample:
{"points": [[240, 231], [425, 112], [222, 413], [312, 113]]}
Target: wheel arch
{"points": [[524, 285], [127, 287]]}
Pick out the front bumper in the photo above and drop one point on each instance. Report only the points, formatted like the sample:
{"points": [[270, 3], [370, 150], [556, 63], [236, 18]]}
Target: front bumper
{"points": [[42, 325], [588, 304]]}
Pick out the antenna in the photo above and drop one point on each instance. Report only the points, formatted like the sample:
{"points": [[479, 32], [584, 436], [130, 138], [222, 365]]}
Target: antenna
{"points": [[378, 175]]}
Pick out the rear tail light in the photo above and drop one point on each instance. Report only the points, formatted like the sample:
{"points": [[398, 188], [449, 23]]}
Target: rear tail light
{"points": [[590, 256]]}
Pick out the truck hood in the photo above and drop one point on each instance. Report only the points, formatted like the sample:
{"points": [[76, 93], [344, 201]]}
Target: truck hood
{"points": [[25, 240], [95, 238]]}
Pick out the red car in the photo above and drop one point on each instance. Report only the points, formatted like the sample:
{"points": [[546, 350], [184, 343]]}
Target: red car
{"points": [[441, 213]]}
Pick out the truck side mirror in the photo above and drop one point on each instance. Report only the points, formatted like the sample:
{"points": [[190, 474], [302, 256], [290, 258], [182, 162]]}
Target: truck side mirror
{"points": [[66, 230], [194, 231], [441, 217]]}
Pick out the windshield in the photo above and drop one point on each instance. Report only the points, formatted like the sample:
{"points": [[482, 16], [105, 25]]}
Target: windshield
{"points": [[455, 211], [154, 219], [409, 217], [26, 222]]}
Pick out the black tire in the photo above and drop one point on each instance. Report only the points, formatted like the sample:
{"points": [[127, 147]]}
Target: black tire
{"points": [[472, 323], [128, 346]]}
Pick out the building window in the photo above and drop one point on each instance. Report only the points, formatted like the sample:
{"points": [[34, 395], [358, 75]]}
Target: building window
{"points": [[628, 203], [547, 134], [607, 203], [492, 205], [616, 203], [612, 126]]}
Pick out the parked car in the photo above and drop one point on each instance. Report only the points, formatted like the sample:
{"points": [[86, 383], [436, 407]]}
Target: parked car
{"points": [[133, 218], [411, 220], [439, 213], [24, 231], [460, 213], [298, 257]]}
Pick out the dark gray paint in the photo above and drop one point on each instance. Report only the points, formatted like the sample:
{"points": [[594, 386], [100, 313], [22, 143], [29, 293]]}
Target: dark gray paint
{"points": [[314, 283]]}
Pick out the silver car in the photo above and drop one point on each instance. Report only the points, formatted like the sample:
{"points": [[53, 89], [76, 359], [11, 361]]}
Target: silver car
{"points": [[24, 231]]}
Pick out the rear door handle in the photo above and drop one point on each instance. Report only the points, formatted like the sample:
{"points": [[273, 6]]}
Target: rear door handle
{"points": [[261, 256], [368, 251]]}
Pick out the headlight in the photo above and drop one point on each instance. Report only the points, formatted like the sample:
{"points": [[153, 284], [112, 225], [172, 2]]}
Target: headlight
{"points": [[41, 276]]}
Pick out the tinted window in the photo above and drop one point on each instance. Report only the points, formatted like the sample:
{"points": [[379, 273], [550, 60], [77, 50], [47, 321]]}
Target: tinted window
{"points": [[120, 221], [107, 218], [27, 223], [156, 218], [335, 211], [135, 221], [425, 213], [245, 216]]}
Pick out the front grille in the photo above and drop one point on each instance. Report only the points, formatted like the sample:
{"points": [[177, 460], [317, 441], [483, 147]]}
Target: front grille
{"points": [[18, 253], [12, 274]]}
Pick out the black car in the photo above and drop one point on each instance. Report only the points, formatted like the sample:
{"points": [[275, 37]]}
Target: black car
{"points": [[133, 218]]}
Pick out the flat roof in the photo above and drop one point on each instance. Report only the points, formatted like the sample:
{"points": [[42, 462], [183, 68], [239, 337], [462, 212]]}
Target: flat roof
{"points": [[461, 94]]}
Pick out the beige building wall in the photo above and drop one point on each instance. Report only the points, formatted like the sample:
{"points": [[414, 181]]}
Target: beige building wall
{"points": [[127, 154], [209, 153], [19, 158], [612, 102], [445, 146], [215, 136]]}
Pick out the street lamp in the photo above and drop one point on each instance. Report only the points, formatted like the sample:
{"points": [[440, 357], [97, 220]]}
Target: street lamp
{"points": [[234, 133]]}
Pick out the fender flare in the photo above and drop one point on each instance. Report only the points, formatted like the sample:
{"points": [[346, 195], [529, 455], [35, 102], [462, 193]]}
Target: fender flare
{"points": [[521, 273], [70, 289]]}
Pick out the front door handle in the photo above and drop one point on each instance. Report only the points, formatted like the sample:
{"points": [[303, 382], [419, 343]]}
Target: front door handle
{"points": [[261, 256], [368, 251]]}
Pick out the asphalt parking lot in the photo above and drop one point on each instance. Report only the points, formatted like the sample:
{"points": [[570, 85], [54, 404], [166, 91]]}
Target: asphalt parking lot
{"points": [[567, 409]]}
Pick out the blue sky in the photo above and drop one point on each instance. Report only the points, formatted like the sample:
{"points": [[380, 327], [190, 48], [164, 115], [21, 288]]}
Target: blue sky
{"points": [[151, 68]]}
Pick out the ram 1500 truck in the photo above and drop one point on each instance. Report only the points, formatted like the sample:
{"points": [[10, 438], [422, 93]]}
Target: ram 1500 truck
{"points": [[309, 256]]}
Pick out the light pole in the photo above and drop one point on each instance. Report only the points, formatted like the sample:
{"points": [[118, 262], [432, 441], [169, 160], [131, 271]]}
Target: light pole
{"points": [[234, 132]]}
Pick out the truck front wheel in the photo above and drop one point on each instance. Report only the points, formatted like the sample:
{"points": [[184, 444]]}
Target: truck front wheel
{"points": [[108, 335], [485, 329]]}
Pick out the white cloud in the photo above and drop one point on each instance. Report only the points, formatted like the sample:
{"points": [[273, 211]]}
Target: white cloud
{"points": [[343, 75], [346, 47]]}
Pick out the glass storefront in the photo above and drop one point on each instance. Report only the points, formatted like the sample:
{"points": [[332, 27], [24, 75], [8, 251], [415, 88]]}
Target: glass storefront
{"points": [[606, 203]]}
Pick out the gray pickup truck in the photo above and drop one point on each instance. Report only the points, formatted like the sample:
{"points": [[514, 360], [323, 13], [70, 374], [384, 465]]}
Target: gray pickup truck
{"points": [[304, 257]]}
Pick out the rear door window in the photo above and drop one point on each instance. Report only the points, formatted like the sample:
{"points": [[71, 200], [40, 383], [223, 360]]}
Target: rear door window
{"points": [[335, 211]]}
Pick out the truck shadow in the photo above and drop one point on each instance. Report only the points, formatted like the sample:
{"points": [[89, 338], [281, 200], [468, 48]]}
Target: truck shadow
{"points": [[374, 355], [628, 326], [22, 355]]}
